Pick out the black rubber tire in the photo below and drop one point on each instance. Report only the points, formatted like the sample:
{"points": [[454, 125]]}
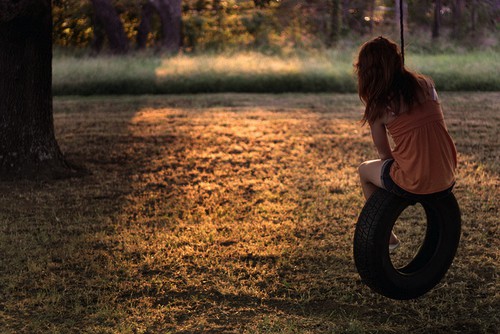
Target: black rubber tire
{"points": [[432, 260]]}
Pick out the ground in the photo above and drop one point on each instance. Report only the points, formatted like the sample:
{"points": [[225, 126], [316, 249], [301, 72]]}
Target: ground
{"points": [[231, 213]]}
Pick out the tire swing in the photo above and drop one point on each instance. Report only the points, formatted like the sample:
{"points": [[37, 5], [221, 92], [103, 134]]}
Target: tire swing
{"points": [[432, 259]]}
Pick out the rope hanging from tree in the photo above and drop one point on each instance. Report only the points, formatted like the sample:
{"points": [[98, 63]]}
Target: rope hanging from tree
{"points": [[401, 29]]}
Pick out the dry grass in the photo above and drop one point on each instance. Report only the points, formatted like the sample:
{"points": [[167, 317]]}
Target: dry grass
{"points": [[231, 214]]}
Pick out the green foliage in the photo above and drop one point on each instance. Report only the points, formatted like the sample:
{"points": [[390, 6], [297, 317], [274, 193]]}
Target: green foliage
{"points": [[230, 25], [72, 23], [194, 28]]}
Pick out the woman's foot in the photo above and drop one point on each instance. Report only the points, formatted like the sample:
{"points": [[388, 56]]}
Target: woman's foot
{"points": [[393, 243], [393, 247]]}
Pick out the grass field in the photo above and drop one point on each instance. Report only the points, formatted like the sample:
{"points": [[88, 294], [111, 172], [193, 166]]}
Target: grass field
{"points": [[231, 213], [330, 71]]}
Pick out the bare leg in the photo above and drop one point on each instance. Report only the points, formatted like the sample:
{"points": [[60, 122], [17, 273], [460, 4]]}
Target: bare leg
{"points": [[369, 174]]}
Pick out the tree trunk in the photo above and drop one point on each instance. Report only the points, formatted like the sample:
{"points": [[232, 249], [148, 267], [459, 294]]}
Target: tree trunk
{"points": [[458, 22], [372, 15], [107, 19], [145, 25], [99, 36], [28, 148], [436, 27], [336, 21], [345, 14], [172, 25], [473, 15], [170, 15], [397, 9]]}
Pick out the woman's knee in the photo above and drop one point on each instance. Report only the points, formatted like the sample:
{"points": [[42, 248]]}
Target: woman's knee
{"points": [[365, 167], [369, 171]]}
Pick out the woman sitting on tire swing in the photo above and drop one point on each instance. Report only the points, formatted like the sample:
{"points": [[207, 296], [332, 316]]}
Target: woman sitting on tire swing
{"points": [[404, 104]]}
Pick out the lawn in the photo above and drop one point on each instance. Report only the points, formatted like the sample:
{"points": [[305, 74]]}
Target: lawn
{"points": [[329, 71], [231, 213]]}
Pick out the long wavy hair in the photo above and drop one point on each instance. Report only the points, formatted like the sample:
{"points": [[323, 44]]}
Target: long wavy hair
{"points": [[383, 80]]}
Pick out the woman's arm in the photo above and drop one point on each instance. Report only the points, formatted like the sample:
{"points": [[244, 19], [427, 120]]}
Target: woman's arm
{"points": [[380, 139]]}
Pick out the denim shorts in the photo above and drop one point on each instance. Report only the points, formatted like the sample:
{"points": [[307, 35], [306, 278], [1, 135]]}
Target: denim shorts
{"points": [[393, 188]]}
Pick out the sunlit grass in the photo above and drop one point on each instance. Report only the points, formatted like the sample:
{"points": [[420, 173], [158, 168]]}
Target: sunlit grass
{"points": [[247, 63], [467, 71], [329, 71], [231, 213]]}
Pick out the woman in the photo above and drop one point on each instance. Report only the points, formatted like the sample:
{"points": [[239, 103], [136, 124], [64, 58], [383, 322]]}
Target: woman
{"points": [[404, 105]]}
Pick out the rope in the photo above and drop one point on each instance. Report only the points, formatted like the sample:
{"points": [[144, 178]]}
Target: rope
{"points": [[401, 29]]}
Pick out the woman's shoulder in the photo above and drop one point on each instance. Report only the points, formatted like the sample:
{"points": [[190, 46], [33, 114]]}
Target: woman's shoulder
{"points": [[427, 89]]}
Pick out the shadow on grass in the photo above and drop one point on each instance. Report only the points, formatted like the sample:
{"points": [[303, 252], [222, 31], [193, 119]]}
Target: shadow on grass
{"points": [[219, 213]]}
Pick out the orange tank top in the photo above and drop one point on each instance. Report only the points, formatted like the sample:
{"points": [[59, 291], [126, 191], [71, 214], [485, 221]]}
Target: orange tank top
{"points": [[424, 154]]}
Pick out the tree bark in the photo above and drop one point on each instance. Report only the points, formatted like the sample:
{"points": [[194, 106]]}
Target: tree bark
{"points": [[108, 20], [28, 148], [436, 27]]}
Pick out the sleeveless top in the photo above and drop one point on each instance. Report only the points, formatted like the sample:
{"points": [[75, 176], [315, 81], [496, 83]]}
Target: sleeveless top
{"points": [[425, 157]]}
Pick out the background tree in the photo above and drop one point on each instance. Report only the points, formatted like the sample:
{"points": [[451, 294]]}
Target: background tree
{"points": [[170, 14], [269, 25], [372, 15], [436, 26], [458, 19], [474, 14], [336, 21], [107, 23], [345, 12], [397, 12], [147, 11], [28, 148]]}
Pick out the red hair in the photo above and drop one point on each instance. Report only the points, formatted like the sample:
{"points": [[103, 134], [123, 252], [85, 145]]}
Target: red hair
{"points": [[383, 80]]}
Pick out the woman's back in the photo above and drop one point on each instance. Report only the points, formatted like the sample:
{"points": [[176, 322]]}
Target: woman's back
{"points": [[424, 153]]}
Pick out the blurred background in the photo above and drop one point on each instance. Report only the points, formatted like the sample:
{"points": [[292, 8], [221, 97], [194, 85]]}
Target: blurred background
{"points": [[264, 46], [271, 26]]}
